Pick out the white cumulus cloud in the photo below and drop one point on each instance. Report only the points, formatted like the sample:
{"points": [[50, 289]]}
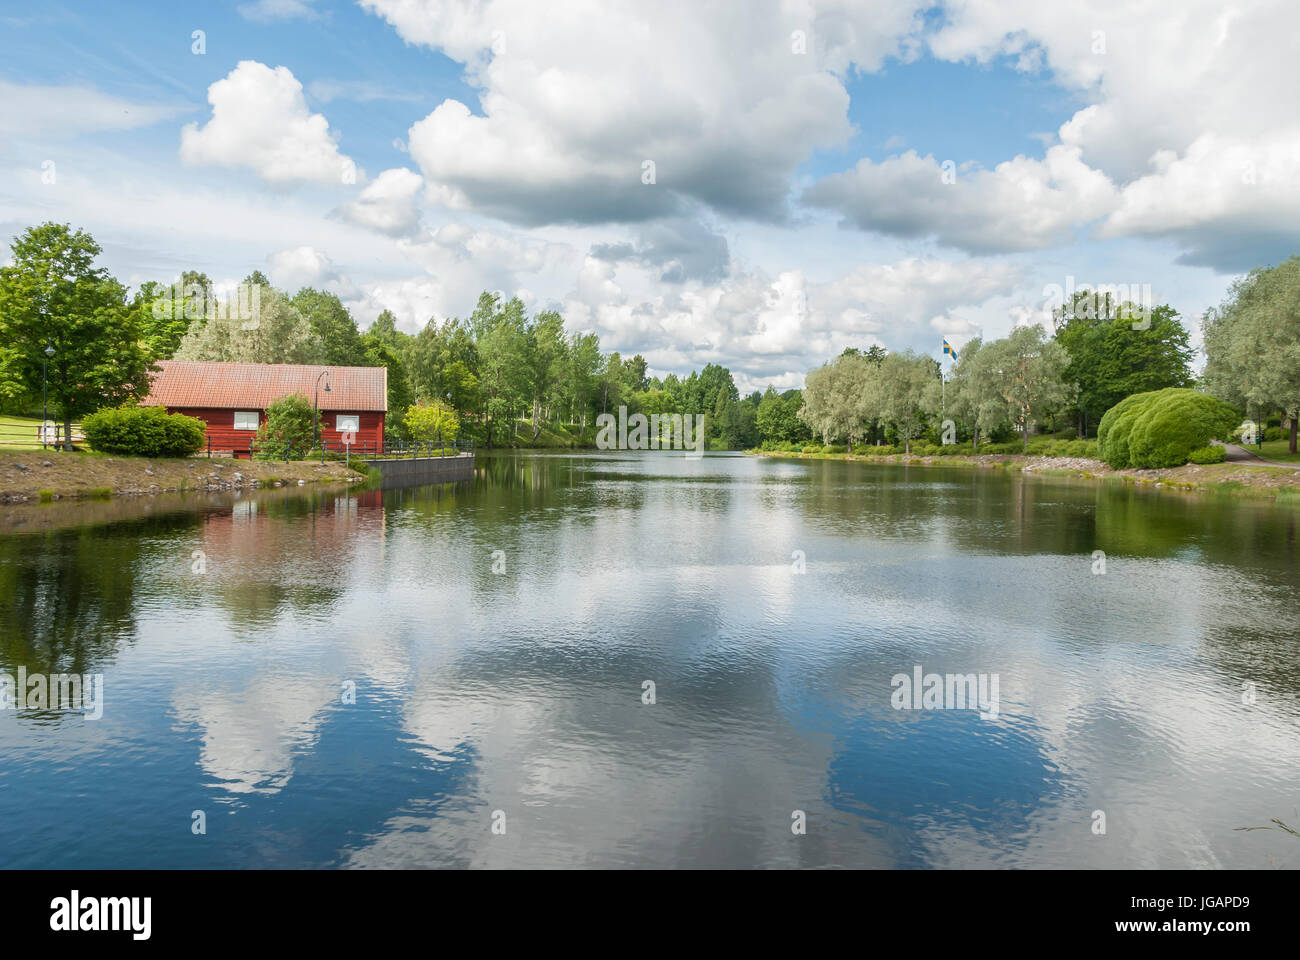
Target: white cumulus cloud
{"points": [[260, 119], [389, 203]]}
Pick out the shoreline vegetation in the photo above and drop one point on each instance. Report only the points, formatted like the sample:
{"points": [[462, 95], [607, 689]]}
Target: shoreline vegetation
{"points": [[36, 476], [1240, 479]]}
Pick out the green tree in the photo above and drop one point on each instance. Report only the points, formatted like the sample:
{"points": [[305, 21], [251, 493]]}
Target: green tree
{"points": [[443, 359], [579, 376], [289, 429], [611, 382], [505, 381], [54, 296], [776, 418], [332, 324], [160, 324], [1114, 352], [546, 349], [1252, 344], [635, 373], [903, 380], [375, 352], [166, 312], [385, 329], [1029, 371], [277, 334], [432, 422], [843, 398]]}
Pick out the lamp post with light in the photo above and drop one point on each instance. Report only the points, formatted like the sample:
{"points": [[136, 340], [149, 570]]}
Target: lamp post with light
{"points": [[316, 402], [45, 403]]}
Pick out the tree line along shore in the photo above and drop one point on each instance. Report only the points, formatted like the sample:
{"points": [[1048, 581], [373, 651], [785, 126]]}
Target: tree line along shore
{"points": [[78, 343]]}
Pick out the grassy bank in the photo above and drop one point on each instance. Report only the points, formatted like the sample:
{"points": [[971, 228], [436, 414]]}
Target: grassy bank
{"points": [[553, 436], [1279, 450], [27, 476], [1240, 479]]}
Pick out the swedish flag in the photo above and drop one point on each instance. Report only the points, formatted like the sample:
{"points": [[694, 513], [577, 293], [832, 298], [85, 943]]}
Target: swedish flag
{"points": [[948, 351]]}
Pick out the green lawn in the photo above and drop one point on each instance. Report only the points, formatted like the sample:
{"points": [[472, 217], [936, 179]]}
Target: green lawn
{"points": [[1276, 450], [20, 433]]}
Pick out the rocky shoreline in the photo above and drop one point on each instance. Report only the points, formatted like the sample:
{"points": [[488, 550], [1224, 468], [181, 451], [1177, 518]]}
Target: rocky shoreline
{"points": [[41, 476], [1243, 478]]}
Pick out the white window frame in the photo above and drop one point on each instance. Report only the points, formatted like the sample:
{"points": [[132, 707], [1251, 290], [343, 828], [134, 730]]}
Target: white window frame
{"points": [[255, 414], [347, 422]]}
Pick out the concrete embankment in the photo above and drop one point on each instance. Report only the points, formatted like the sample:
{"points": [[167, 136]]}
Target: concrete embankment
{"points": [[425, 469]]}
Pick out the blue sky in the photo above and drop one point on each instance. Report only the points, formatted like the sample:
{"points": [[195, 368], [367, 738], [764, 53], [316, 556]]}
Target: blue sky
{"points": [[963, 111], [800, 202]]}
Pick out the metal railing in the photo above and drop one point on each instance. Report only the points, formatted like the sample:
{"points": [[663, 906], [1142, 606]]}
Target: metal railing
{"points": [[324, 450], [401, 450]]}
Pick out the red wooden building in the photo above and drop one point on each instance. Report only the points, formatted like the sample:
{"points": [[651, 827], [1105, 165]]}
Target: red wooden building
{"points": [[231, 398]]}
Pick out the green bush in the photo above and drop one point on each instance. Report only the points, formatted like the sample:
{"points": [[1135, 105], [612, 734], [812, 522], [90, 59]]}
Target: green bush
{"points": [[1208, 455], [811, 448], [1038, 447], [1113, 431], [288, 431], [1274, 433], [143, 432], [1161, 428]]}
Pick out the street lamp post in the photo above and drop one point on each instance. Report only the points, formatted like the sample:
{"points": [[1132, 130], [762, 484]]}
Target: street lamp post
{"points": [[316, 403], [441, 450], [45, 403]]}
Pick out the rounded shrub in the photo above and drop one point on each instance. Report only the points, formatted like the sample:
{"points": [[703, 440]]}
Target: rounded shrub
{"points": [[143, 432], [1113, 431], [1208, 455], [1161, 428], [1174, 423]]}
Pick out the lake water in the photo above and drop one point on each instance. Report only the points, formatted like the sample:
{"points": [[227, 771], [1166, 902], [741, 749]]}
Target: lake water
{"points": [[380, 678]]}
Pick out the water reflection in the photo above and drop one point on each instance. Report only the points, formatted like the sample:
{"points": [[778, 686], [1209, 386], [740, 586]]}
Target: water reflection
{"points": [[362, 678]]}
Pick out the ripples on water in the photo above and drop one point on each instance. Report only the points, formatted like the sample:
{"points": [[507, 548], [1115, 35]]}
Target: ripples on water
{"points": [[521, 691]]}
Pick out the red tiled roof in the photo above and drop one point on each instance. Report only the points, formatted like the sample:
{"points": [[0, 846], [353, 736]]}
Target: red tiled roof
{"points": [[204, 383]]}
